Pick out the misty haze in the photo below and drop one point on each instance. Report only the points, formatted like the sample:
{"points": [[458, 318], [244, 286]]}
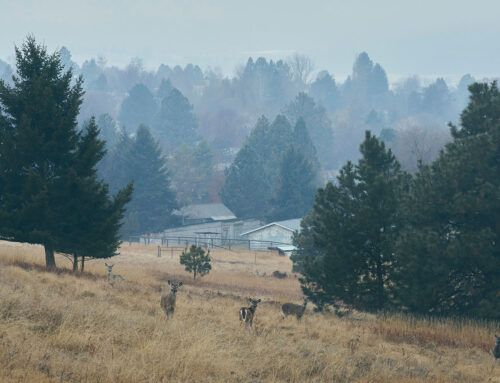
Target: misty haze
{"points": [[249, 192]]}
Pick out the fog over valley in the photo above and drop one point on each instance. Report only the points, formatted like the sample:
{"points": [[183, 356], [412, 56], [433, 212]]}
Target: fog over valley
{"points": [[249, 191]]}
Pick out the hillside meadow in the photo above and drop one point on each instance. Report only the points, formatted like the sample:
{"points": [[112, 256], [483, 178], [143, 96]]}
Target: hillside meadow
{"points": [[65, 327]]}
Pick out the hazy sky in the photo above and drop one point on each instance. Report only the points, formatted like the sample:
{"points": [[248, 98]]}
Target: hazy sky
{"points": [[406, 37]]}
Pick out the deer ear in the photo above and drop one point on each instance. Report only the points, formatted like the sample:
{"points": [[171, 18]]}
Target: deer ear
{"points": [[169, 282], [180, 284], [106, 264]]}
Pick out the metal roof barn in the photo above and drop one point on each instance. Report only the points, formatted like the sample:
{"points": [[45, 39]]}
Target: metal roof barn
{"points": [[273, 234], [207, 212]]}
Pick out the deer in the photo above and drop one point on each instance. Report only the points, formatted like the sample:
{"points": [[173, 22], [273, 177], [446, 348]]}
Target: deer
{"points": [[496, 349], [111, 276], [167, 302], [247, 313], [293, 309]]}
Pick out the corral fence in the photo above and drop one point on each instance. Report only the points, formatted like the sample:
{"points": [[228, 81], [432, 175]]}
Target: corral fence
{"points": [[180, 243]]}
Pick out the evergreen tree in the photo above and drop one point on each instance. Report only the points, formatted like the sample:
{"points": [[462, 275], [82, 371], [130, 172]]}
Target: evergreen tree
{"points": [[114, 168], [325, 91], [176, 122], [294, 192], [302, 140], [192, 172], [94, 222], [253, 175], [318, 125], [108, 130], [436, 99], [367, 82], [139, 107], [153, 200], [196, 261], [346, 245], [246, 190], [448, 256], [275, 144], [164, 89], [47, 168], [38, 141]]}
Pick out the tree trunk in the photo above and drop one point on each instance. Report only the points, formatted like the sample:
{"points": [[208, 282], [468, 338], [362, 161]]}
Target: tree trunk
{"points": [[194, 275], [50, 261], [82, 266], [75, 263]]}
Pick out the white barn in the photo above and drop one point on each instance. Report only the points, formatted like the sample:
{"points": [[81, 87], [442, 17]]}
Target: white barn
{"points": [[273, 235]]}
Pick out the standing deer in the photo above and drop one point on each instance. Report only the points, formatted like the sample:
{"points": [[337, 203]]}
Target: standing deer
{"points": [[167, 302], [247, 313], [496, 349], [111, 276], [293, 309]]}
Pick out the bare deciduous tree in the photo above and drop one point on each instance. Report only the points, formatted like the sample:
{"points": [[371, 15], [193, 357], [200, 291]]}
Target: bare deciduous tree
{"points": [[302, 67], [416, 143]]}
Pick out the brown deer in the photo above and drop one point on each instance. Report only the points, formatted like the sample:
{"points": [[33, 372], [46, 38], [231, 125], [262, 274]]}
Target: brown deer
{"points": [[167, 302], [293, 309], [247, 313], [111, 276], [496, 349]]}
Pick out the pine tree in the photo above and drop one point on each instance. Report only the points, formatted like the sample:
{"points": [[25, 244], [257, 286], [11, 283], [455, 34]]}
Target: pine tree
{"points": [[196, 261], [253, 175], [38, 143], [49, 191], [176, 123], [153, 200], [94, 222], [192, 171], [448, 256], [318, 125], [246, 190], [139, 107], [294, 192], [108, 130], [302, 140], [345, 247]]}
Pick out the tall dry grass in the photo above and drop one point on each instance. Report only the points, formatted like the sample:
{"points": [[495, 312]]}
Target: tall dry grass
{"points": [[60, 327]]}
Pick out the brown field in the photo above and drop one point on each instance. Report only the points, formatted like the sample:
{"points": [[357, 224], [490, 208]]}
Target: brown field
{"points": [[61, 327]]}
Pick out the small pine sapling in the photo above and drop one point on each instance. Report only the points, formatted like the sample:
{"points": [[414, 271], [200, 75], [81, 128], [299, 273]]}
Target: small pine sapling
{"points": [[196, 261]]}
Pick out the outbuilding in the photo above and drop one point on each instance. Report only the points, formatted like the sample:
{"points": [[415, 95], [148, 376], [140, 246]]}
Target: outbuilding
{"points": [[203, 213], [273, 234]]}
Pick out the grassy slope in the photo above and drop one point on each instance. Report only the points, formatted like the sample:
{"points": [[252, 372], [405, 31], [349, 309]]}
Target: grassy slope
{"points": [[62, 327]]}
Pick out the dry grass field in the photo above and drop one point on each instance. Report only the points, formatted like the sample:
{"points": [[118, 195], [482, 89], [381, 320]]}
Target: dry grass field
{"points": [[64, 327]]}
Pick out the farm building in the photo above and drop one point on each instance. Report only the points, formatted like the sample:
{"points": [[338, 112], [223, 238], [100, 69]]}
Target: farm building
{"points": [[273, 235], [207, 212], [215, 233]]}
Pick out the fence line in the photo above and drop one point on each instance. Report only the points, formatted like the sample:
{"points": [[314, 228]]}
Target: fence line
{"points": [[212, 242]]}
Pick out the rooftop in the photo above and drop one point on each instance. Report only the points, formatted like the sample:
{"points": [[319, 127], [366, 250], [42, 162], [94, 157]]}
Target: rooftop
{"points": [[289, 224], [214, 211]]}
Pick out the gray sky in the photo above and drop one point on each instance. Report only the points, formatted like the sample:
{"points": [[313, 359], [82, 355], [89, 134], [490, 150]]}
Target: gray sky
{"points": [[426, 37]]}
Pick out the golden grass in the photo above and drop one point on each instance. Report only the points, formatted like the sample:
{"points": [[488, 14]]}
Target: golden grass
{"points": [[60, 327]]}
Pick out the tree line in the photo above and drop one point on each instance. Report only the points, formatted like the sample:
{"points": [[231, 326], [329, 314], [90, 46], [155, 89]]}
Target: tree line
{"points": [[380, 238], [219, 109], [60, 180]]}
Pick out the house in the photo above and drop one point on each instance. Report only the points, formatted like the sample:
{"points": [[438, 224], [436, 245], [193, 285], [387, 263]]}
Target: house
{"points": [[272, 235], [203, 213]]}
